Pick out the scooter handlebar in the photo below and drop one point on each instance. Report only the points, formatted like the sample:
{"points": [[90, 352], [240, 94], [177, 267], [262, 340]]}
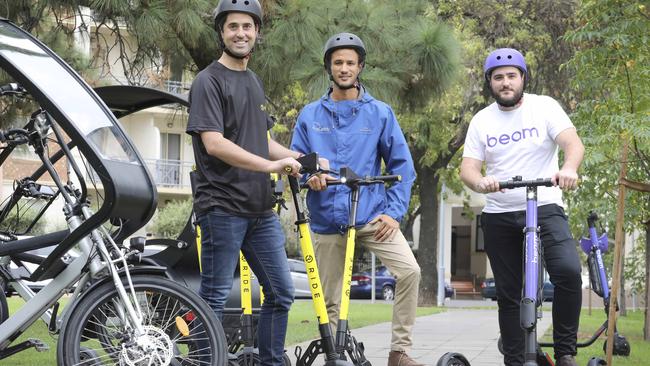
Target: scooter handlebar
{"points": [[517, 182], [365, 181]]}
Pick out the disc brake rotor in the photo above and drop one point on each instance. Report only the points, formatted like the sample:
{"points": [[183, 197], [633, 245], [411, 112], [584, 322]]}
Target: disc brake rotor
{"points": [[153, 348]]}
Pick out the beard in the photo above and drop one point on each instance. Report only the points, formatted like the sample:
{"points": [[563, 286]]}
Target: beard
{"points": [[509, 102], [345, 86]]}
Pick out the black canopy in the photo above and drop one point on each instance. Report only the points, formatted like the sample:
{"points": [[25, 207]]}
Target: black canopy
{"points": [[126, 99]]}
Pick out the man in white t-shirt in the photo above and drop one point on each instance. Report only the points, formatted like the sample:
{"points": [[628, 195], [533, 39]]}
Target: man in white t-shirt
{"points": [[519, 135]]}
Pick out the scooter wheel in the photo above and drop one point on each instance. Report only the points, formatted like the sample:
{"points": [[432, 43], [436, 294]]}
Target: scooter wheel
{"points": [[596, 361], [253, 359], [452, 359], [249, 359], [621, 346]]}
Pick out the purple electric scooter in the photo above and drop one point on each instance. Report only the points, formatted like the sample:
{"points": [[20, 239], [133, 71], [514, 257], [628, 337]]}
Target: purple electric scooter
{"points": [[531, 300], [530, 308], [594, 247], [530, 303]]}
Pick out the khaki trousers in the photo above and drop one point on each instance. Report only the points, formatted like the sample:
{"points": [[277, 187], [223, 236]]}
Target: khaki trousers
{"points": [[395, 254]]}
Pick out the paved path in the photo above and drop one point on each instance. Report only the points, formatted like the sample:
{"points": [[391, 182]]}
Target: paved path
{"points": [[474, 333]]}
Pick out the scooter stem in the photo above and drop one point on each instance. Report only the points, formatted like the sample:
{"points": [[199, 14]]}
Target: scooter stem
{"points": [[311, 266], [342, 327]]}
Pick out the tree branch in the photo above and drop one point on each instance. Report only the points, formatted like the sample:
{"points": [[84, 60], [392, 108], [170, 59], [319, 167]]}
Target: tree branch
{"points": [[637, 186]]}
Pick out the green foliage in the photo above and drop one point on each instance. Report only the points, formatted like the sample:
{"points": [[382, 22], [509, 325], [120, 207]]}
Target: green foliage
{"points": [[630, 326], [612, 68], [285, 110], [171, 219], [411, 57], [17, 222], [634, 272]]}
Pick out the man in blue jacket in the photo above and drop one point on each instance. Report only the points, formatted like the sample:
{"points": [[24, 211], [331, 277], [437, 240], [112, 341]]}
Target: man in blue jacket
{"points": [[349, 127]]}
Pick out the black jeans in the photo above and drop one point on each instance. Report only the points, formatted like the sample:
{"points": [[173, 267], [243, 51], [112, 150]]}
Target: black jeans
{"points": [[503, 233]]}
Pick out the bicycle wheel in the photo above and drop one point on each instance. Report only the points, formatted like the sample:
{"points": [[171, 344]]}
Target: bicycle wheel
{"points": [[179, 328], [4, 308]]}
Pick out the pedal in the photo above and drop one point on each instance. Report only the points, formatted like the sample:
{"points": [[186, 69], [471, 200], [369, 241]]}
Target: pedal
{"points": [[356, 351], [38, 345], [310, 354], [361, 346]]}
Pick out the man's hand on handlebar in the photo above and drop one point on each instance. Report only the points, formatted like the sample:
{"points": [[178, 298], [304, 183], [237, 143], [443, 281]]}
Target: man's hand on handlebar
{"points": [[318, 182], [287, 166], [487, 184], [566, 179]]}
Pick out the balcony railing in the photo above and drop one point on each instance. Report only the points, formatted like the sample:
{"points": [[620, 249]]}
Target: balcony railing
{"points": [[178, 87], [170, 173], [165, 173], [171, 86]]}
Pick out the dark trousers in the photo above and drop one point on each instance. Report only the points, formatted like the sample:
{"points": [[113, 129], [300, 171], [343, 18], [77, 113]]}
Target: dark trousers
{"points": [[503, 233], [262, 242]]}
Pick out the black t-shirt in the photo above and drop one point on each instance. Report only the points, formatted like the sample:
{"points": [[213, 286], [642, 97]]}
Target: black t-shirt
{"points": [[230, 102]]}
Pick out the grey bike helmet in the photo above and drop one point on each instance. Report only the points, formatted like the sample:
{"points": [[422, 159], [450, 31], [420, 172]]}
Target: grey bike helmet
{"points": [[251, 7], [343, 40], [504, 57]]}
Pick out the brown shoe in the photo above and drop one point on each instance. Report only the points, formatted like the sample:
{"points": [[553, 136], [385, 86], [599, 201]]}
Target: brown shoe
{"points": [[399, 358], [566, 360]]}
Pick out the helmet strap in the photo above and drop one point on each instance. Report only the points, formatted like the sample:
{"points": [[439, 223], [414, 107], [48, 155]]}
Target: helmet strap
{"points": [[239, 57]]}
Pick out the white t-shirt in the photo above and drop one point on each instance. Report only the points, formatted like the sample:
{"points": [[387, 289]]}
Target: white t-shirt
{"points": [[518, 142]]}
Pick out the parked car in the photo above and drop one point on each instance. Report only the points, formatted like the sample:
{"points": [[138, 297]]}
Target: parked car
{"points": [[361, 286], [489, 290], [299, 277]]}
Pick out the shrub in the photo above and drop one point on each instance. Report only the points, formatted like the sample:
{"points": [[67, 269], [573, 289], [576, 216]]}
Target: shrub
{"points": [[171, 219]]}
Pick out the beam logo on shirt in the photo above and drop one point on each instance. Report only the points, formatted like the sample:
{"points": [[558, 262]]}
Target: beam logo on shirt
{"points": [[516, 136]]}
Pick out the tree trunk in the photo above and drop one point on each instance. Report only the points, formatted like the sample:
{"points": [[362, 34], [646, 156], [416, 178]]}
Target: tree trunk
{"points": [[622, 297], [619, 236], [428, 239], [646, 322]]}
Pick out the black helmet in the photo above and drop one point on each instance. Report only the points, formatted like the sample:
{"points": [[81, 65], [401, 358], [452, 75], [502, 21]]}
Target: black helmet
{"points": [[251, 7], [343, 40]]}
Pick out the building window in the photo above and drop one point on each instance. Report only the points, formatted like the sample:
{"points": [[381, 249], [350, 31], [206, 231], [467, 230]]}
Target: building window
{"points": [[168, 168], [480, 243]]}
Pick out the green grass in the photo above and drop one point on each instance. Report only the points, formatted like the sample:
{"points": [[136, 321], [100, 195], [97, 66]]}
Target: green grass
{"points": [[39, 331], [630, 326], [303, 326]]}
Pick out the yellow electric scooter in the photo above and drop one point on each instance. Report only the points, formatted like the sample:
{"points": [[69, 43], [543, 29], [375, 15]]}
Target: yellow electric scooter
{"points": [[335, 350]]}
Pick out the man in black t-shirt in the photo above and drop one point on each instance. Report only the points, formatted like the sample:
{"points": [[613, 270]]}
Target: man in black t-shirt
{"points": [[233, 199]]}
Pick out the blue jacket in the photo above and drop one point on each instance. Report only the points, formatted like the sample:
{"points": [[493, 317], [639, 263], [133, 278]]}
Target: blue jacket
{"points": [[358, 134]]}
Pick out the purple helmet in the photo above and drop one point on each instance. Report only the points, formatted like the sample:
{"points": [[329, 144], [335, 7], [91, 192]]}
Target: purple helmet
{"points": [[504, 57]]}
